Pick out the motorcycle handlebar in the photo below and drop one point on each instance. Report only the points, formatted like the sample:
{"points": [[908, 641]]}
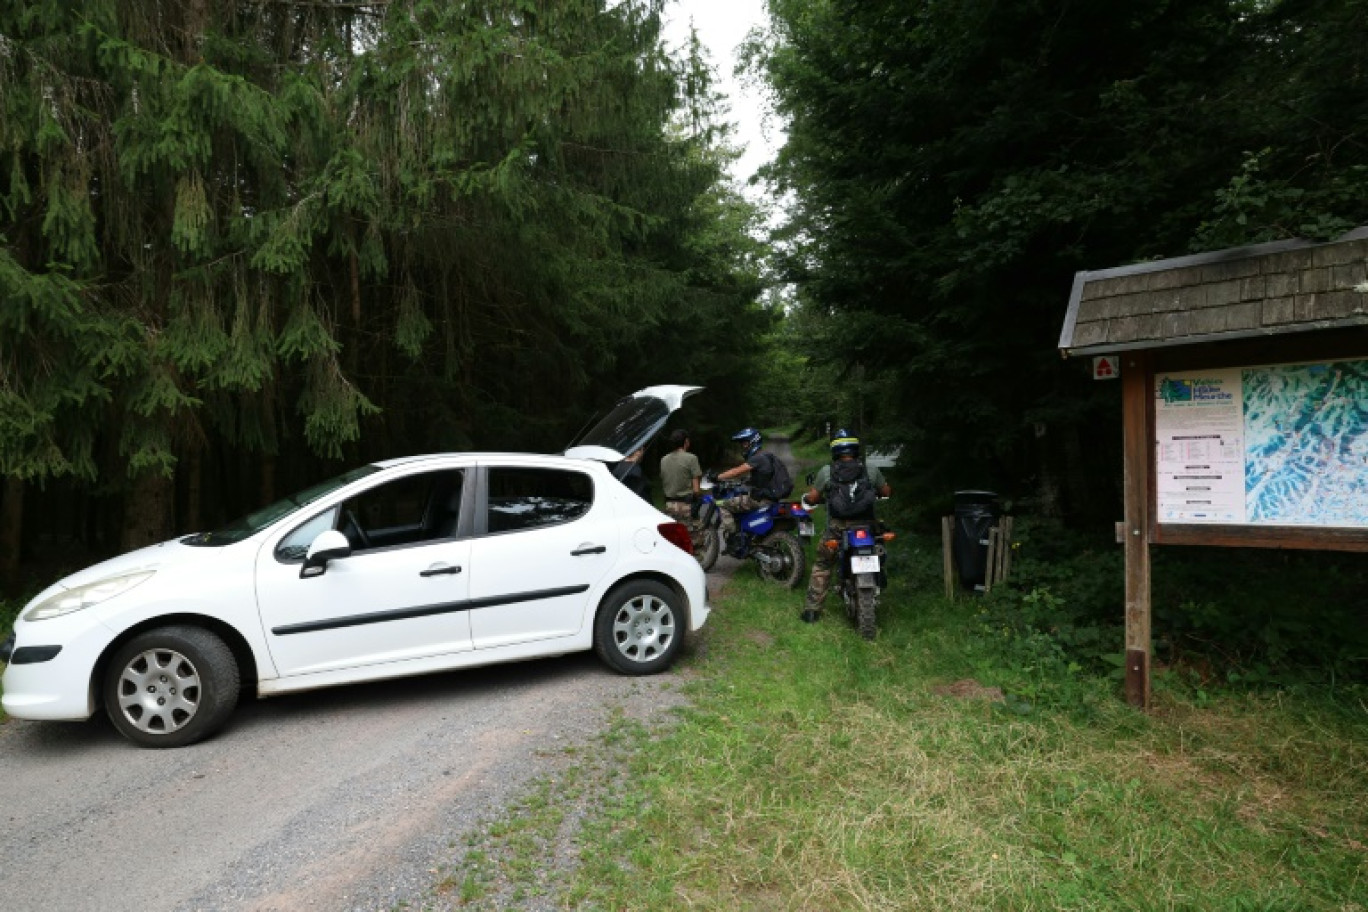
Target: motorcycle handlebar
{"points": [[723, 488]]}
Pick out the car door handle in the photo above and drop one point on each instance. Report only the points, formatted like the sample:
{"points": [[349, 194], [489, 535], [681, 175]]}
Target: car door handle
{"points": [[439, 571], [588, 549]]}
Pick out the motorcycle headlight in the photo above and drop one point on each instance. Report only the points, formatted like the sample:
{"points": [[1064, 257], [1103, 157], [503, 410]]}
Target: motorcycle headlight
{"points": [[84, 596]]}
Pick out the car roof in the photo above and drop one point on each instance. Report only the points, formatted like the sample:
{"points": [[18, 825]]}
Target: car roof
{"points": [[482, 456]]}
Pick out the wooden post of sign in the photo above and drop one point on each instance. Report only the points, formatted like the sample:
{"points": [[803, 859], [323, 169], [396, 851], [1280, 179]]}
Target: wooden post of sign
{"points": [[1136, 402], [1009, 525], [991, 559], [1004, 552], [947, 559]]}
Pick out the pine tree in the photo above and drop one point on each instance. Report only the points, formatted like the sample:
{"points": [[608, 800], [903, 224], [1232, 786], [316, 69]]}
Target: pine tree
{"points": [[956, 163], [246, 241]]}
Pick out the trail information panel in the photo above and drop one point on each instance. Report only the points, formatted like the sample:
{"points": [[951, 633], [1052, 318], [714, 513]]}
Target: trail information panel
{"points": [[1279, 445]]}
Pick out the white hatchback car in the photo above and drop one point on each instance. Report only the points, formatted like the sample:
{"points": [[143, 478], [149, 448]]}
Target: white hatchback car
{"points": [[398, 568]]}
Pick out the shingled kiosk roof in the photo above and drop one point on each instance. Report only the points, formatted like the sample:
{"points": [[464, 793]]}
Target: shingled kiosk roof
{"points": [[1243, 292]]}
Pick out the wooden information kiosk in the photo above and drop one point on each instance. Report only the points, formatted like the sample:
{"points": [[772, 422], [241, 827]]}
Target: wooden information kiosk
{"points": [[1244, 389]]}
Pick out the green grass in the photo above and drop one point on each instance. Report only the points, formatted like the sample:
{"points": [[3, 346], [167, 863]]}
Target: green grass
{"points": [[952, 764], [946, 766]]}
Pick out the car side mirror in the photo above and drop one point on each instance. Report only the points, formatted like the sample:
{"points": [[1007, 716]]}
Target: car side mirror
{"points": [[329, 545]]}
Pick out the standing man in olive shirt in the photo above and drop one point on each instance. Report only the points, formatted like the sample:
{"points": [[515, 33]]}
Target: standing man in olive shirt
{"points": [[679, 475]]}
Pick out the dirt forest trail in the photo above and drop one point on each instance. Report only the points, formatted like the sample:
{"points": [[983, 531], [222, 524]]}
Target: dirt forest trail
{"points": [[346, 798]]}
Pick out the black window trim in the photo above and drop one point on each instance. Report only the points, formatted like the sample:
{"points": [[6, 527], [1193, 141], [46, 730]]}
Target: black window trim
{"points": [[464, 523]]}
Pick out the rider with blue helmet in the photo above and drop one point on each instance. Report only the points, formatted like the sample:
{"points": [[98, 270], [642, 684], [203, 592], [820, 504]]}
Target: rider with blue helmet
{"points": [[758, 470]]}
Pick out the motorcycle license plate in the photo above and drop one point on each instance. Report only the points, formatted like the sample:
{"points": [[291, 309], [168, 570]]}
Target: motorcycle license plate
{"points": [[864, 563], [805, 527]]}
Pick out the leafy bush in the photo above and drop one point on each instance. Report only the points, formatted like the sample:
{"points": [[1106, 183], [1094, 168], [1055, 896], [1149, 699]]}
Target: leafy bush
{"points": [[1228, 616], [1066, 587], [1263, 617], [9, 610]]}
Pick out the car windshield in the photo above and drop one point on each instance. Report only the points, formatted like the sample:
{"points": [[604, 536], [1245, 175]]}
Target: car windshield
{"points": [[254, 522]]}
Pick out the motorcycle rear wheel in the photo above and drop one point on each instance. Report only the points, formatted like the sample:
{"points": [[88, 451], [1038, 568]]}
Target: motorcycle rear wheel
{"points": [[706, 547], [790, 563], [866, 607]]}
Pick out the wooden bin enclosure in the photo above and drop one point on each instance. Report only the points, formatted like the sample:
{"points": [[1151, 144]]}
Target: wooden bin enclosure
{"points": [[998, 561], [1244, 398]]}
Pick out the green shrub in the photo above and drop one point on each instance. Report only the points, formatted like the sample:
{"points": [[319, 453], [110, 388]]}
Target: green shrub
{"points": [[1263, 617], [9, 610], [1246, 617]]}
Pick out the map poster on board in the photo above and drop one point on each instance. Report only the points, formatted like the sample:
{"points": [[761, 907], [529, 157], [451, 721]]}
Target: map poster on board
{"points": [[1281, 445], [1306, 444], [1199, 439]]}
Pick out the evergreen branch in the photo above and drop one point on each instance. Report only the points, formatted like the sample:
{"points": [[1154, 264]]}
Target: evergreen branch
{"points": [[329, 4], [586, 147]]}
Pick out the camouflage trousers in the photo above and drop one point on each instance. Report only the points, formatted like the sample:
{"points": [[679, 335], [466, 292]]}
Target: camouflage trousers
{"points": [[680, 510], [743, 503], [824, 564]]}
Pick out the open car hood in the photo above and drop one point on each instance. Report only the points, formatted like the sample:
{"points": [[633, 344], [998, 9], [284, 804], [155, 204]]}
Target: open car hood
{"points": [[630, 425]]}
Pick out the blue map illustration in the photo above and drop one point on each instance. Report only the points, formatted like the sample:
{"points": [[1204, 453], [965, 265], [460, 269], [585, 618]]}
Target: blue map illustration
{"points": [[1306, 444]]}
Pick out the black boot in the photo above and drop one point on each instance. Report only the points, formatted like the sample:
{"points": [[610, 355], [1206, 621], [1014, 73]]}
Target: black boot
{"points": [[811, 615], [736, 545]]}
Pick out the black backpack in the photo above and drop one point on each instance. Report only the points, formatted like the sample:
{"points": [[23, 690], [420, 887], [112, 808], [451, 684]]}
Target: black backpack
{"points": [[850, 494], [780, 483]]}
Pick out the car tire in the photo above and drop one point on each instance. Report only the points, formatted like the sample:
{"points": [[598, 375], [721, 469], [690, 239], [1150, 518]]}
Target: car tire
{"points": [[171, 686], [639, 628]]}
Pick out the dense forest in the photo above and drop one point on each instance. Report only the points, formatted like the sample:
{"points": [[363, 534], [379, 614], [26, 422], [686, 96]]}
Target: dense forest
{"points": [[245, 244], [249, 244], [952, 165]]}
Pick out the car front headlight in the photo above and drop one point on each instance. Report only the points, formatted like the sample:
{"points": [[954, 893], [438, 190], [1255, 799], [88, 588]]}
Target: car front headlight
{"points": [[84, 596]]}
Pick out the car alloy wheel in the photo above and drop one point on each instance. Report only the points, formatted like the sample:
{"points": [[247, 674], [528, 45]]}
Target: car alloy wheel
{"points": [[171, 686], [638, 628], [159, 691]]}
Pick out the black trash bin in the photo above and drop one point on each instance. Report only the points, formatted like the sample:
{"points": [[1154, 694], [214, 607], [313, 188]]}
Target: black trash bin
{"points": [[975, 513]]}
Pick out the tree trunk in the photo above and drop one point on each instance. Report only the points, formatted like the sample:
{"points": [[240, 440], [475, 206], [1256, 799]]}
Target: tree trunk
{"points": [[267, 492], [194, 491], [1047, 485], [11, 532], [353, 349], [148, 511], [1081, 496]]}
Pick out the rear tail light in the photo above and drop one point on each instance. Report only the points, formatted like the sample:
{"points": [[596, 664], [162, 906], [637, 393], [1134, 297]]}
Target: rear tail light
{"points": [[831, 544], [887, 536], [677, 534]]}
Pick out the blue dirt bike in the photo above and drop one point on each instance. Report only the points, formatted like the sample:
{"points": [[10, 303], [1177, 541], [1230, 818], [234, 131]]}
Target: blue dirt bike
{"points": [[764, 535], [860, 576]]}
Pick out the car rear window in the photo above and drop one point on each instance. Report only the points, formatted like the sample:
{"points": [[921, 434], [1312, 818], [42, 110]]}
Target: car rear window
{"points": [[525, 498]]}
